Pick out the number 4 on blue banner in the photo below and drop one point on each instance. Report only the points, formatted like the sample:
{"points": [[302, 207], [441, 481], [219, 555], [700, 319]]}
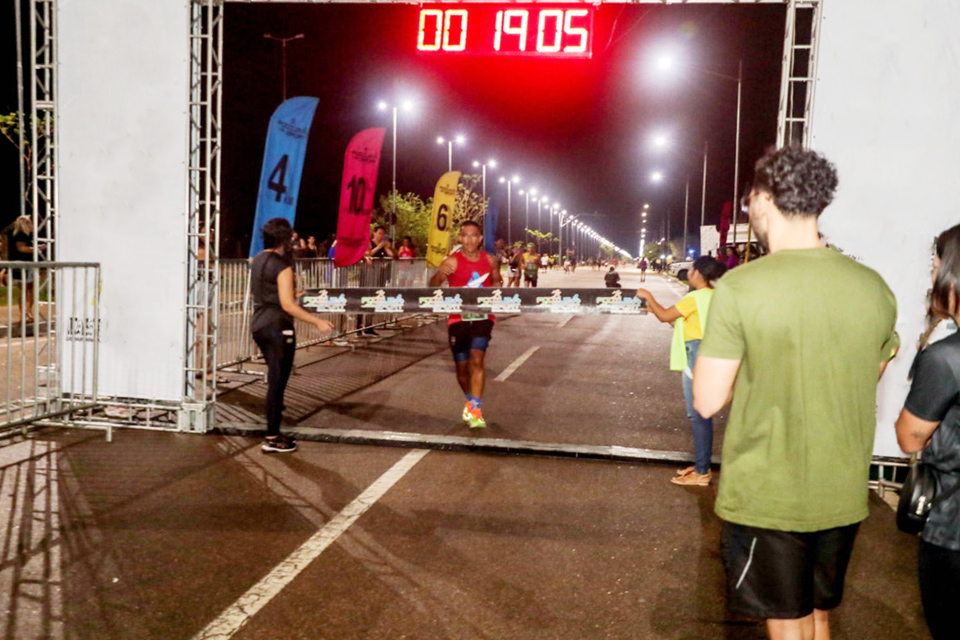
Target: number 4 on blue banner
{"points": [[276, 180], [283, 159]]}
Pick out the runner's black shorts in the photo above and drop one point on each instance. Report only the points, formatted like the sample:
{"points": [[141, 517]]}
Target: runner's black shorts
{"points": [[784, 574], [467, 335]]}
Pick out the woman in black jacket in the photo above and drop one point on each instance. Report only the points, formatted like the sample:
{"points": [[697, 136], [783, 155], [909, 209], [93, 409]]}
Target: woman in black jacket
{"points": [[930, 422]]}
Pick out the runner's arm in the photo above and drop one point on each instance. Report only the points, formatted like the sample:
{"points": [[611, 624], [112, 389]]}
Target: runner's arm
{"points": [[713, 380], [496, 279], [448, 266]]}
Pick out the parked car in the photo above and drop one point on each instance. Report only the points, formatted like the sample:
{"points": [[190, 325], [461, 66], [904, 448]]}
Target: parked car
{"points": [[680, 269]]}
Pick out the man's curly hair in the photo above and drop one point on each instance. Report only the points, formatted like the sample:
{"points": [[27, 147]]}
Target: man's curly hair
{"points": [[802, 182]]}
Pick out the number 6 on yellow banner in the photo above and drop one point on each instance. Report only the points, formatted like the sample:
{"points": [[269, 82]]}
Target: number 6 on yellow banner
{"points": [[444, 200]]}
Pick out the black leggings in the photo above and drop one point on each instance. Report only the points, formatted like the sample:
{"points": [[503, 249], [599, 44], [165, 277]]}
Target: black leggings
{"points": [[277, 346], [940, 589]]}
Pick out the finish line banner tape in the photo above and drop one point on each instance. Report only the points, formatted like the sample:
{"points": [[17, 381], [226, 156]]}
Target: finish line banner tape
{"points": [[472, 300]]}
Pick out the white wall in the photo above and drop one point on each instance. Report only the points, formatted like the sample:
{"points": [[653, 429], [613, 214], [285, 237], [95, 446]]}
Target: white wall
{"points": [[122, 128], [887, 95]]}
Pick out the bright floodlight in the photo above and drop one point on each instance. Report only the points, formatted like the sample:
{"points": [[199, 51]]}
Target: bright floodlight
{"points": [[476, 163], [502, 179], [656, 176], [665, 63], [406, 105], [382, 105], [492, 163], [515, 179], [440, 140], [660, 140], [646, 206], [643, 215], [533, 191], [460, 139]]}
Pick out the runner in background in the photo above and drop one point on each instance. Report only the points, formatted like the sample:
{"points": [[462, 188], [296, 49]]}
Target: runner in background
{"points": [[531, 266], [470, 334]]}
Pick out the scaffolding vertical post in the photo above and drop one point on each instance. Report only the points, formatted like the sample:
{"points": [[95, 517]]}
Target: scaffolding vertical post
{"points": [[798, 75], [202, 231]]}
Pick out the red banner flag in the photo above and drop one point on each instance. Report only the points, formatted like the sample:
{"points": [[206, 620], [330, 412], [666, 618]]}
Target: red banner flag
{"points": [[724, 225], [360, 166]]}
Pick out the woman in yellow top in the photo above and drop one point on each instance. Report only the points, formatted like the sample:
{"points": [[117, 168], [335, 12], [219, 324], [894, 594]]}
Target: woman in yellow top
{"points": [[689, 317]]}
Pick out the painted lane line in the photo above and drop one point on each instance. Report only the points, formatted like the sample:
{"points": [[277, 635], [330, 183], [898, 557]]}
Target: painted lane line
{"points": [[516, 364], [242, 611], [564, 322]]}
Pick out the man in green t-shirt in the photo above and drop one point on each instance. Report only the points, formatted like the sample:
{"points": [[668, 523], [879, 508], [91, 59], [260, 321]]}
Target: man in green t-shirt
{"points": [[800, 338]]}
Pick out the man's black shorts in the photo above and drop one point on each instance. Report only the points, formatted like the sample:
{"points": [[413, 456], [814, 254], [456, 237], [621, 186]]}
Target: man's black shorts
{"points": [[783, 574], [465, 335]]}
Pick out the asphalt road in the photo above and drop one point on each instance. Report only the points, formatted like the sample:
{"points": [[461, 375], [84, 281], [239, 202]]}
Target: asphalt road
{"points": [[160, 535]]}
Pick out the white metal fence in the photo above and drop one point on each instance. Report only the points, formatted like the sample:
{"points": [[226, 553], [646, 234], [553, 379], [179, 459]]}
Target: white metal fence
{"points": [[49, 341], [235, 344]]}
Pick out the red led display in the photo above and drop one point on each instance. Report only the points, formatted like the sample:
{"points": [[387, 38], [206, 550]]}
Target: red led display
{"points": [[564, 31]]}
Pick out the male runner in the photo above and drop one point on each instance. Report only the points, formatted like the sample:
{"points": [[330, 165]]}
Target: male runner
{"points": [[800, 337], [470, 333]]}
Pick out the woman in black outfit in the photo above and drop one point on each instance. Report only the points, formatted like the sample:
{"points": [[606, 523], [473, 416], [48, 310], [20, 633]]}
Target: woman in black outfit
{"points": [[930, 421], [274, 308]]}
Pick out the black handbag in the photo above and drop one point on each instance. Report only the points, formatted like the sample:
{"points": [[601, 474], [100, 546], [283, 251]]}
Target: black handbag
{"points": [[918, 496]]}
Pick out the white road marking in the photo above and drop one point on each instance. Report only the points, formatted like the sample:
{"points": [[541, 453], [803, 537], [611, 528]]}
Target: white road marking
{"points": [[515, 364], [242, 611], [564, 322]]}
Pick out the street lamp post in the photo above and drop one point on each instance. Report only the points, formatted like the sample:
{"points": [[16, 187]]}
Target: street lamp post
{"points": [[283, 54], [663, 141], [666, 63], [489, 163], [736, 159], [459, 139], [383, 106], [526, 193], [686, 213], [509, 205]]}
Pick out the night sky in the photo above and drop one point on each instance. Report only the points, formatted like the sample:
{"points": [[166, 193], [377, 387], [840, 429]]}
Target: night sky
{"points": [[580, 131]]}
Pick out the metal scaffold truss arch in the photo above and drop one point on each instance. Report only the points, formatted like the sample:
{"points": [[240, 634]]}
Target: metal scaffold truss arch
{"points": [[203, 151]]}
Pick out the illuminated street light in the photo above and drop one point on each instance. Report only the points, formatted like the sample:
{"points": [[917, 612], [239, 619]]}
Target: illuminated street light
{"points": [[656, 176], [459, 139], [383, 105], [665, 63], [489, 163], [509, 183]]}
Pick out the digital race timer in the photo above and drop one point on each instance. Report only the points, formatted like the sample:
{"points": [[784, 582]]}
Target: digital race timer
{"points": [[564, 31]]}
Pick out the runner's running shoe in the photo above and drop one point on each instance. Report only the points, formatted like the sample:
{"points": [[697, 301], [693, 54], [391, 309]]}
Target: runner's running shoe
{"points": [[466, 412], [476, 420]]}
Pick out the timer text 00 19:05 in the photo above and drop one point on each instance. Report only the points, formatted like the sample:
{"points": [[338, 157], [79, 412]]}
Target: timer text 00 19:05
{"points": [[483, 29]]}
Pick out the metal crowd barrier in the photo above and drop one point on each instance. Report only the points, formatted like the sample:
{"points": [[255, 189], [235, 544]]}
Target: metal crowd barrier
{"points": [[235, 344], [50, 337]]}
